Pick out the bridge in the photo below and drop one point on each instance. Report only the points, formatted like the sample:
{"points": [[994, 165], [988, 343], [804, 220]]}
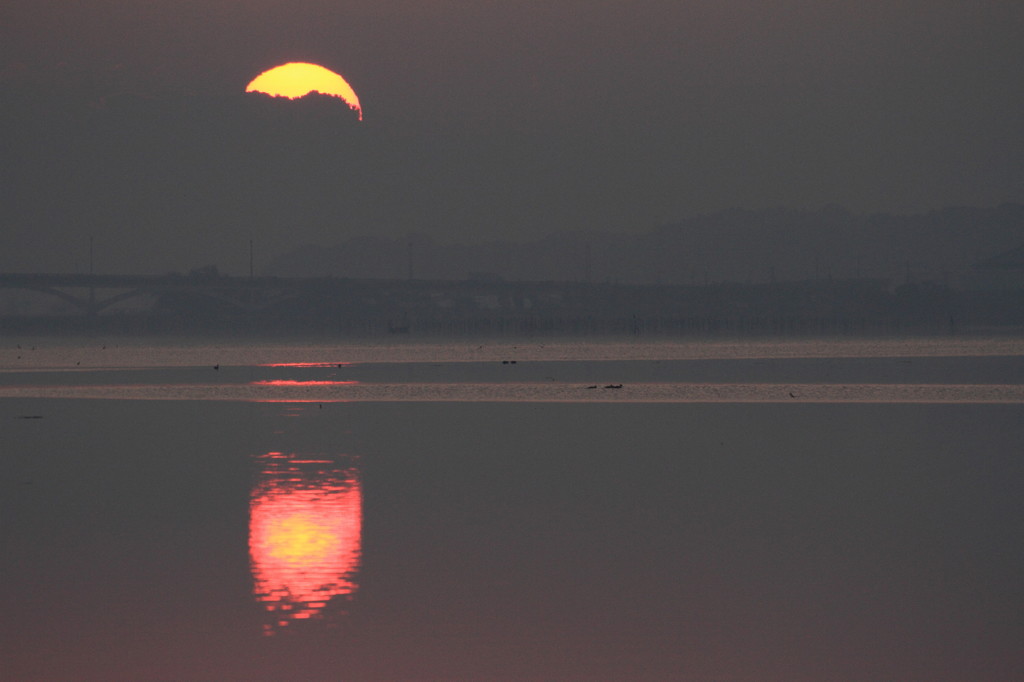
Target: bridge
{"points": [[210, 301], [94, 293]]}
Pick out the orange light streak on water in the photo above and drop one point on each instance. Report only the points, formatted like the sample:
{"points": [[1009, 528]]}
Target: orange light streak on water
{"points": [[307, 364], [293, 382], [305, 534]]}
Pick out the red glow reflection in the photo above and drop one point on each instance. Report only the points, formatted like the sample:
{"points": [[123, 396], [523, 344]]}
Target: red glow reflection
{"points": [[307, 364], [305, 527], [303, 401], [292, 382]]}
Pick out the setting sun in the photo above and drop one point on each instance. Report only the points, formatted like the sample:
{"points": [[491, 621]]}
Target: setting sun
{"points": [[298, 79]]}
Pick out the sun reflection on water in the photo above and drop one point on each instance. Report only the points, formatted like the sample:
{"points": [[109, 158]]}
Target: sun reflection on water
{"points": [[305, 528]]}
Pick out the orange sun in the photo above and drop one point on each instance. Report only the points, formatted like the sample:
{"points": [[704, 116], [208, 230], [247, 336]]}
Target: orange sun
{"points": [[298, 79]]}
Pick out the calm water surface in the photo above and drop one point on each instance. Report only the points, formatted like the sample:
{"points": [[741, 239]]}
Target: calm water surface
{"points": [[788, 511]]}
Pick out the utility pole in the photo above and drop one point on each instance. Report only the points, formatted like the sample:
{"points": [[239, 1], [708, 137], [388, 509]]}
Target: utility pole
{"points": [[91, 310], [587, 269]]}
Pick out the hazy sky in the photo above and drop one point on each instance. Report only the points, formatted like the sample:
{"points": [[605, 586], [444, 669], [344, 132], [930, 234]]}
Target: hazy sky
{"points": [[596, 114]]}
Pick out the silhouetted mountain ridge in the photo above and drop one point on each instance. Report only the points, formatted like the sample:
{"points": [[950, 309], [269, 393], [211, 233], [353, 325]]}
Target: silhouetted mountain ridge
{"points": [[173, 182], [736, 245]]}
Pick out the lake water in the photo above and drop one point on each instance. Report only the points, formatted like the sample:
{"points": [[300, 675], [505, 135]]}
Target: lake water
{"points": [[806, 510]]}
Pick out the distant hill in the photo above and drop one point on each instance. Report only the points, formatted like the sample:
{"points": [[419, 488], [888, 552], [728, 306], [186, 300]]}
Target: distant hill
{"points": [[151, 184], [731, 246]]}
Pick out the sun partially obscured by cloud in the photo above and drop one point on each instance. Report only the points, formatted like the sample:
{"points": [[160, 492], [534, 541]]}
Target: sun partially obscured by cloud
{"points": [[298, 79]]}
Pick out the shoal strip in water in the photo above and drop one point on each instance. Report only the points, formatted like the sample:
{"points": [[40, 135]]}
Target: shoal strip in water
{"points": [[542, 392]]}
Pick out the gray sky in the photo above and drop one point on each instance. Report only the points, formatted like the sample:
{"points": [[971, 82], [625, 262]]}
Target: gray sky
{"points": [[511, 119]]}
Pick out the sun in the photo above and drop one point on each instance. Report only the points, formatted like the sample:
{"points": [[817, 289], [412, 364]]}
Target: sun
{"points": [[298, 79]]}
